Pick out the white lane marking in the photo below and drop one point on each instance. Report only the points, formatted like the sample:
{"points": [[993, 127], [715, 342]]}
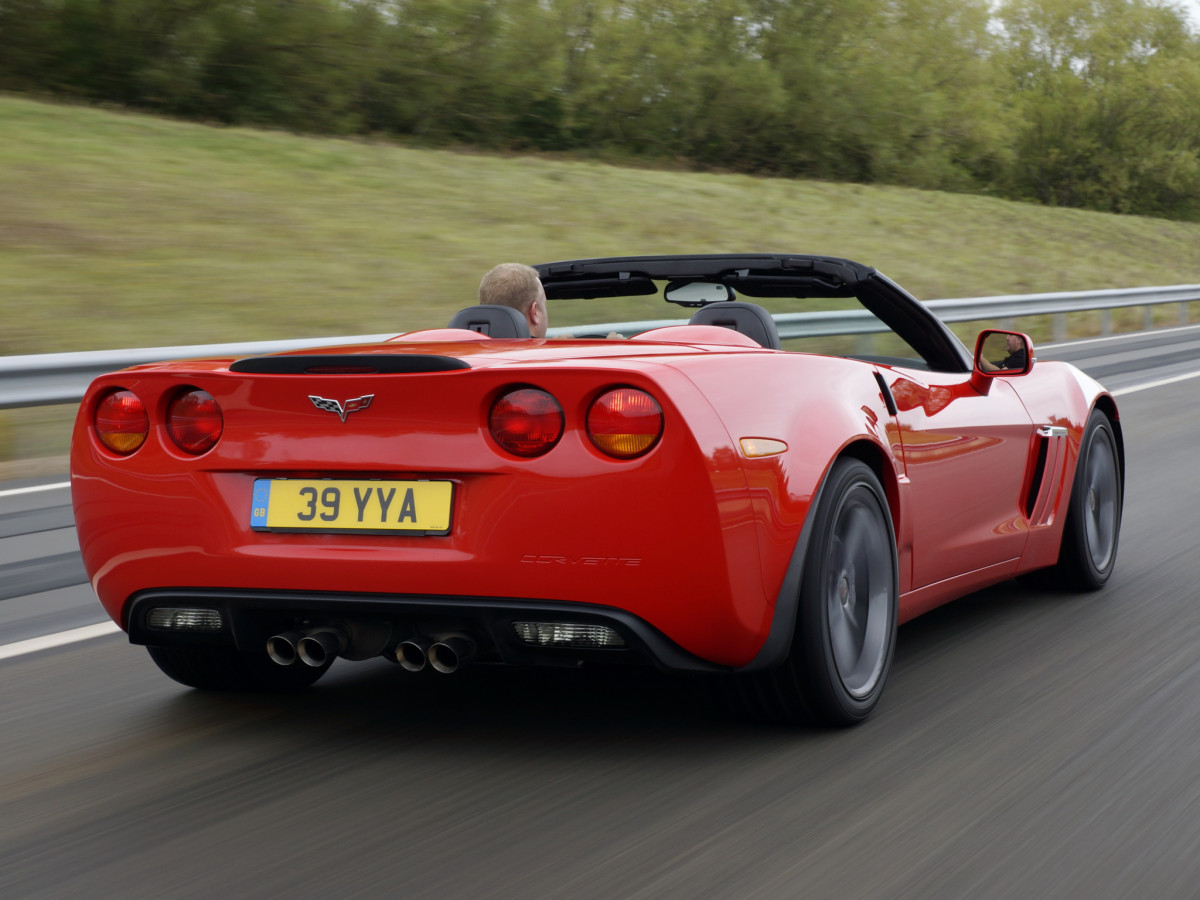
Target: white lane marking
{"points": [[1125, 335], [37, 488], [33, 645], [1153, 384]]}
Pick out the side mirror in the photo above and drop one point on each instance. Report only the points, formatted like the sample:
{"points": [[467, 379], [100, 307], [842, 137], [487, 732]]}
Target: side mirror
{"points": [[1000, 354]]}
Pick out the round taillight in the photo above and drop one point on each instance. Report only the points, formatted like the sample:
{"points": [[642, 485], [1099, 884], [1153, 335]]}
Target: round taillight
{"points": [[526, 422], [121, 422], [624, 422], [194, 421]]}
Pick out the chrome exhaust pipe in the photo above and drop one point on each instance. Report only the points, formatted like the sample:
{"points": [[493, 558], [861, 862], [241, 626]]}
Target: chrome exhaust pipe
{"points": [[320, 645], [451, 653], [282, 647], [413, 653]]}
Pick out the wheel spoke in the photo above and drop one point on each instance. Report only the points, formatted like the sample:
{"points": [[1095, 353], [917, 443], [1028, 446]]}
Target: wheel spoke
{"points": [[853, 532], [844, 639]]}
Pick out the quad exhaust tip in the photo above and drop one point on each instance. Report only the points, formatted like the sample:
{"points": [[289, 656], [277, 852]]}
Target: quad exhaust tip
{"points": [[451, 653], [282, 648], [413, 654], [320, 646]]}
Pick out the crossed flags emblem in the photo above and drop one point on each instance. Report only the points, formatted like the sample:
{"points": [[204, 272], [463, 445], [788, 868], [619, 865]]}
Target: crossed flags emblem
{"points": [[342, 411]]}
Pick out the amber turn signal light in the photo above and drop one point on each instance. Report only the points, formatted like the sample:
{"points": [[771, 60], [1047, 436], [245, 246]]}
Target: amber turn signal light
{"points": [[625, 422], [121, 422]]}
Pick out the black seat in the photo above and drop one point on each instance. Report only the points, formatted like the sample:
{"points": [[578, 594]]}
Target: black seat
{"points": [[747, 318], [494, 321]]}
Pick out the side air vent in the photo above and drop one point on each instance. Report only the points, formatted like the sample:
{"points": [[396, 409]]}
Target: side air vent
{"points": [[347, 364], [1048, 474]]}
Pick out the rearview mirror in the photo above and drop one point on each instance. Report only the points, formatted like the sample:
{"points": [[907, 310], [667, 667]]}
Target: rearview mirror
{"points": [[696, 293]]}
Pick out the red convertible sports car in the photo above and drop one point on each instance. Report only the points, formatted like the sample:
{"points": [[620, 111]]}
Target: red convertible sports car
{"points": [[694, 498]]}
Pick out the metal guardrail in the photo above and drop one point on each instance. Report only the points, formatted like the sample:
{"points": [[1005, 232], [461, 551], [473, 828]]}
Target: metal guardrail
{"points": [[46, 379]]}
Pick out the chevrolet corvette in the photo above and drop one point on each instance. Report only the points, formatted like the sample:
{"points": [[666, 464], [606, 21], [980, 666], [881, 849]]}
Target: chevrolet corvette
{"points": [[703, 497]]}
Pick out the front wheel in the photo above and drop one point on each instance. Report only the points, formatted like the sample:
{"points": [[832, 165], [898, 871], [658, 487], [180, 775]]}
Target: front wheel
{"points": [[845, 634], [229, 670], [1089, 544]]}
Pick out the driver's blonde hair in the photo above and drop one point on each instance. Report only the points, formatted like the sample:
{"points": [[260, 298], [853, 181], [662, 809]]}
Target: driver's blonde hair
{"points": [[510, 284]]}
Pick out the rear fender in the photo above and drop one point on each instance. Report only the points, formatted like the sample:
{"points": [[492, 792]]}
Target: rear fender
{"points": [[787, 602], [826, 408]]}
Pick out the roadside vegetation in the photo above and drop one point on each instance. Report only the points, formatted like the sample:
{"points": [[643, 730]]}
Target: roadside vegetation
{"points": [[127, 230], [1082, 103]]}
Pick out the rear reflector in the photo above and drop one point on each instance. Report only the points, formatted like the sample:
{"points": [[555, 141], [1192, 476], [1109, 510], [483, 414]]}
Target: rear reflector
{"points": [[167, 618], [625, 422], [121, 422], [194, 421], [568, 634], [526, 422]]}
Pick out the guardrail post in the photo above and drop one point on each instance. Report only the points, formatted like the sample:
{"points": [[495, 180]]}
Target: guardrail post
{"points": [[1105, 322], [1147, 318], [1060, 327]]}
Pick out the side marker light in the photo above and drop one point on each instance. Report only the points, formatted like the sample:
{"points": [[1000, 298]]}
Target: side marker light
{"points": [[756, 447]]}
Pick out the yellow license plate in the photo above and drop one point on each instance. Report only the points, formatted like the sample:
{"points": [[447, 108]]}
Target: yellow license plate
{"points": [[354, 507]]}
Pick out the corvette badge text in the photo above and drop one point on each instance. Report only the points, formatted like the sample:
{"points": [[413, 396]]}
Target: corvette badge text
{"points": [[610, 561]]}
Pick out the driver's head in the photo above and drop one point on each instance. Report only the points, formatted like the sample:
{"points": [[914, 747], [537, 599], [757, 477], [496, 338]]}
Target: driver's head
{"points": [[518, 286]]}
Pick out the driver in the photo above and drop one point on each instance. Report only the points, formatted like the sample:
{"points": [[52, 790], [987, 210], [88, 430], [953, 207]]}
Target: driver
{"points": [[518, 286], [1016, 359]]}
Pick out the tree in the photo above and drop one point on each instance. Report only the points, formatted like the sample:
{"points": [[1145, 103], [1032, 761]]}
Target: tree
{"points": [[1106, 93]]}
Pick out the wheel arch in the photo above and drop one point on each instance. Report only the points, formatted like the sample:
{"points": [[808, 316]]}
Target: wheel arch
{"points": [[874, 457], [783, 625]]}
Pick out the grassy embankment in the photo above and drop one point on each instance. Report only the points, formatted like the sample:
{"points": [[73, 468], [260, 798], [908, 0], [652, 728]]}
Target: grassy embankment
{"points": [[121, 230]]}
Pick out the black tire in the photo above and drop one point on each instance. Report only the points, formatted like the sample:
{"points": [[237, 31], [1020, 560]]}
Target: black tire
{"points": [[841, 653], [1088, 551], [229, 670]]}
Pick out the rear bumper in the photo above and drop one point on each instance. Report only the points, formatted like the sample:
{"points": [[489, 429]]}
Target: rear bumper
{"points": [[251, 617]]}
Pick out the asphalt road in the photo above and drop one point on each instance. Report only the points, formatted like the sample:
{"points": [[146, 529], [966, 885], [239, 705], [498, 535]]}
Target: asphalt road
{"points": [[1029, 744]]}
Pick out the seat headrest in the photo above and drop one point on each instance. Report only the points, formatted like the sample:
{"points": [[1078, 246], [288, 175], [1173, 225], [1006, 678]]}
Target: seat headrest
{"points": [[494, 321], [746, 318]]}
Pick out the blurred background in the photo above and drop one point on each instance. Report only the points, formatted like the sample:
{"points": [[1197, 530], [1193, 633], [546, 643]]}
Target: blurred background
{"points": [[179, 172]]}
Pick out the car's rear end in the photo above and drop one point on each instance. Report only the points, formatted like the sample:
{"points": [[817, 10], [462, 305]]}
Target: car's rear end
{"points": [[483, 500]]}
